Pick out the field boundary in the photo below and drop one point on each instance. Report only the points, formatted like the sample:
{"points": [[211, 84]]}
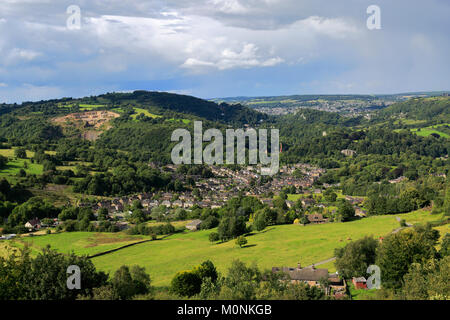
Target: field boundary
{"points": [[124, 247], [117, 249]]}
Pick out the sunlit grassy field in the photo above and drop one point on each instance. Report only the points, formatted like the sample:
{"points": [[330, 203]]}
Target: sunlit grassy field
{"points": [[425, 132], [88, 107], [276, 246], [284, 245], [145, 112], [82, 243], [13, 167]]}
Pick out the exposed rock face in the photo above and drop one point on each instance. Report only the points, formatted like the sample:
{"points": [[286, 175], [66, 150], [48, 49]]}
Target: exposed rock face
{"points": [[91, 123]]}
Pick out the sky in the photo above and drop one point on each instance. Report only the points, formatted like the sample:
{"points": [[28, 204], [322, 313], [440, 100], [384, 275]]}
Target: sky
{"points": [[221, 48]]}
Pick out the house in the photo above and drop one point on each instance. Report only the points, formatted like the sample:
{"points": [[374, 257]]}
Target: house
{"points": [[398, 180], [360, 212], [34, 224], [178, 203], [354, 200], [166, 203], [290, 204], [348, 152], [310, 275], [316, 218], [307, 202], [194, 225], [145, 203], [188, 204], [359, 283]]}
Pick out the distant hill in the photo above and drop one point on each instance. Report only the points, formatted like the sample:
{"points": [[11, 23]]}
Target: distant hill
{"points": [[158, 102], [431, 109], [139, 121], [188, 105]]}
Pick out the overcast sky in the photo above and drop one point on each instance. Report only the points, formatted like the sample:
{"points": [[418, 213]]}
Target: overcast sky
{"points": [[222, 48]]}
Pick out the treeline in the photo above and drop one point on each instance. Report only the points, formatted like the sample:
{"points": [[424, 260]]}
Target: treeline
{"points": [[410, 266], [34, 130], [241, 282], [126, 180], [23, 277]]}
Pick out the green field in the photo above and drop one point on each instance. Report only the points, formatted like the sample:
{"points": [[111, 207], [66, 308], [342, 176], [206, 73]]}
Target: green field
{"points": [[9, 153], [145, 112], [295, 197], [13, 167], [138, 111], [284, 245], [409, 121], [88, 107], [276, 246], [82, 243], [425, 132]]}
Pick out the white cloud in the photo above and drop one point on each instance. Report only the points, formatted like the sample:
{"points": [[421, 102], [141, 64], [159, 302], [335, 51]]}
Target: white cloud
{"points": [[228, 59], [18, 55], [200, 43], [229, 6]]}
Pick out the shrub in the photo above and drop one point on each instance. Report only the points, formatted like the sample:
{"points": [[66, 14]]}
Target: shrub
{"points": [[241, 241], [214, 237], [186, 283]]}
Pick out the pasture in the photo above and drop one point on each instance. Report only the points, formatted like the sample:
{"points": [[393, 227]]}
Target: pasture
{"points": [[425, 132], [82, 243], [284, 245], [144, 112]]}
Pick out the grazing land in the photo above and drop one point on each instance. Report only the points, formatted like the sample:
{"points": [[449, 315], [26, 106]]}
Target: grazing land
{"points": [[284, 245], [82, 243]]}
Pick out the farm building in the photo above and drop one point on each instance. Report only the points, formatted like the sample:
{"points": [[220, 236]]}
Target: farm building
{"points": [[313, 277], [360, 283], [316, 218], [34, 224], [194, 225]]}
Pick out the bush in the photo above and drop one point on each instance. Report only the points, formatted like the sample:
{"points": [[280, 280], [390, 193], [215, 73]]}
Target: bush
{"points": [[260, 222], [130, 282], [207, 270], [353, 259], [20, 153], [209, 223], [186, 283], [241, 241], [214, 237]]}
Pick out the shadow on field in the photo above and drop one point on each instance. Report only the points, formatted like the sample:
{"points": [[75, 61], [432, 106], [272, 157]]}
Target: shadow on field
{"points": [[260, 232]]}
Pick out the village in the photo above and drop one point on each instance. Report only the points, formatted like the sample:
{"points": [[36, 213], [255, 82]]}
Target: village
{"points": [[214, 192]]}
